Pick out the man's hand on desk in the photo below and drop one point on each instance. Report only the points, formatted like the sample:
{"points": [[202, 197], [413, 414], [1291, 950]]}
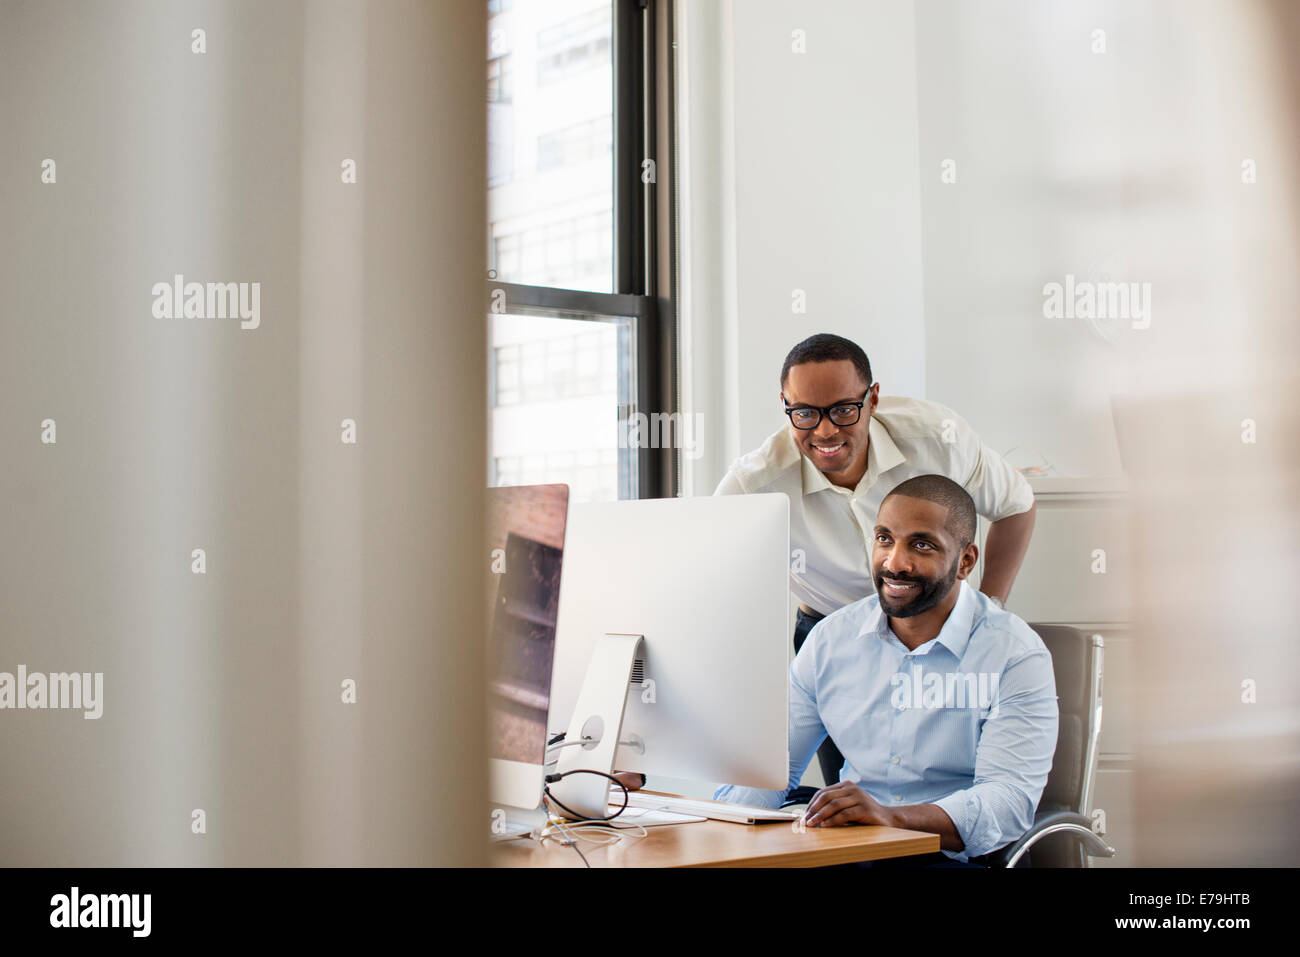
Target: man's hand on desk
{"points": [[846, 803], [632, 780]]}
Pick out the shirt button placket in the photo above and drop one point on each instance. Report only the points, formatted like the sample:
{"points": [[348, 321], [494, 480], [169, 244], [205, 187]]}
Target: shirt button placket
{"points": [[895, 733]]}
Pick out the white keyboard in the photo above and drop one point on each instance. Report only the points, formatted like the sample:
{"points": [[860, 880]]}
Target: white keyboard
{"points": [[649, 817], [716, 810]]}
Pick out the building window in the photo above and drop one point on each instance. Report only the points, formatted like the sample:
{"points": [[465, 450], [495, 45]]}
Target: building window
{"points": [[498, 88], [575, 144], [578, 44], [568, 253], [592, 476], [578, 364]]}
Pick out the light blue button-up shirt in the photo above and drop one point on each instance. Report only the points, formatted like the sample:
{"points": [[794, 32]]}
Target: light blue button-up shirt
{"points": [[967, 721]]}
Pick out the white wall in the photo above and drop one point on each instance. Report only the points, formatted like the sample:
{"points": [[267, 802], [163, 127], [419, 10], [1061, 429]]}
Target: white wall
{"points": [[1076, 152], [803, 175], [821, 171]]}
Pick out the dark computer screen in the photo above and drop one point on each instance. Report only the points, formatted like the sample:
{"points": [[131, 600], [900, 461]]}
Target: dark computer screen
{"points": [[526, 549]]}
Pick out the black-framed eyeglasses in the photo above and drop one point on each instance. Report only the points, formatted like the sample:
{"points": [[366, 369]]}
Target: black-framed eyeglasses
{"points": [[807, 417]]}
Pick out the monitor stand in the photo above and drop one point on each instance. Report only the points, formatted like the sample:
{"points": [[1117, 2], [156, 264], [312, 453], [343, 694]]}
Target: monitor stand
{"points": [[598, 716]]}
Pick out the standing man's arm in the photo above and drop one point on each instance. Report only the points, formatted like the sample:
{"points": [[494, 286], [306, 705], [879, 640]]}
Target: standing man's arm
{"points": [[1001, 495], [1004, 551], [730, 485]]}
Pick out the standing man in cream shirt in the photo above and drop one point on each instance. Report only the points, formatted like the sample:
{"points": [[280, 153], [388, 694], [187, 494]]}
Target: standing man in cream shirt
{"points": [[844, 448]]}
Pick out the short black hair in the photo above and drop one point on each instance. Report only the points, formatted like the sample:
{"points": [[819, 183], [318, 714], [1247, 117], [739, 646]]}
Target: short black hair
{"points": [[826, 347], [943, 491]]}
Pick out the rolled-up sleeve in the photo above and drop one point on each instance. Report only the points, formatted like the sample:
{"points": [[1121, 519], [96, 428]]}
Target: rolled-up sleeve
{"points": [[730, 485], [999, 491], [806, 732], [1012, 759]]}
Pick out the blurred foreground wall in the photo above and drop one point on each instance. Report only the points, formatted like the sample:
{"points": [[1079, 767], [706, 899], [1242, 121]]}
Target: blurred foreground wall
{"points": [[185, 506], [1216, 504]]}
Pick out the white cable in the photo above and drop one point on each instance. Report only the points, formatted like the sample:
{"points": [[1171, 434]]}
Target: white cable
{"points": [[608, 833], [573, 831]]}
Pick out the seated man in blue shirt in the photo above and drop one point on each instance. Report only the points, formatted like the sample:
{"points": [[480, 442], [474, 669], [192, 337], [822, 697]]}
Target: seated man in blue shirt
{"points": [[943, 704]]}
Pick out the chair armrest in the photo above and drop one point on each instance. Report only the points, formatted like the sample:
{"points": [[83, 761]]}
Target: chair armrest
{"points": [[1051, 822]]}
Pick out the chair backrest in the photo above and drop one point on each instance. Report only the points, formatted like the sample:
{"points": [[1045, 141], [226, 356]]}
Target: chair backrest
{"points": [[1076, 662]]}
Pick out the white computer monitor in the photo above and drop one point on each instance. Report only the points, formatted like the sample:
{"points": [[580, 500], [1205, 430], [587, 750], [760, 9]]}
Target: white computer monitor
{"points": [[705, 581]]}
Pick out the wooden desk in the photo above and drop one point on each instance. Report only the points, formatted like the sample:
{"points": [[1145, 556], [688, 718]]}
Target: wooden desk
{"points": [[722, 844]]}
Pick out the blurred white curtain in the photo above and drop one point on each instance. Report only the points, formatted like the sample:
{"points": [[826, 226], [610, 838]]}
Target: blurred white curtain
{"points": [[1216, 503], [325, 561]]}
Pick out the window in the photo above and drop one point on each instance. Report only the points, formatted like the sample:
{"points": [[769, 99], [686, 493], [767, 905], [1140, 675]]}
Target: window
{"points": [[557, 387], [580, 312], [550, 145]]}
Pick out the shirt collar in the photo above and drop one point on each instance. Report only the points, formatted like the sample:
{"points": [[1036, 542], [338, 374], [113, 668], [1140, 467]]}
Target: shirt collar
{"points": [[955, 633], [882, 455]]}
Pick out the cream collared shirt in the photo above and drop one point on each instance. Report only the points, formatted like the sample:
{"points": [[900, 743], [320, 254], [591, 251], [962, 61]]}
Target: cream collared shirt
{"points": [[831, 527]]}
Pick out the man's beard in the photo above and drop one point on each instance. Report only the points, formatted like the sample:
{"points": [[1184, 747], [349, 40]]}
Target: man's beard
{"points": [[931, 592]]}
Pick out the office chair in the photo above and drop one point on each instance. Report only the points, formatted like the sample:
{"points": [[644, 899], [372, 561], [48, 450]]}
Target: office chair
{"points": [[1062, 835]]}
